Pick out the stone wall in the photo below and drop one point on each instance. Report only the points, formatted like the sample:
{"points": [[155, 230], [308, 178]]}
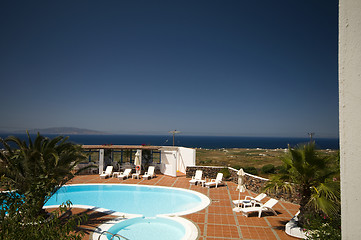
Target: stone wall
{"points": [[252, 182], [208, 172]]}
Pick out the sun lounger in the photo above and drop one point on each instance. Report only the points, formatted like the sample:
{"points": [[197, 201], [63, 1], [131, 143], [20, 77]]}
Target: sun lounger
{"points": [[249, 201], [267, 207], [107, 173], [149, 173], [125, 174], [197, 177], [215, 182]]}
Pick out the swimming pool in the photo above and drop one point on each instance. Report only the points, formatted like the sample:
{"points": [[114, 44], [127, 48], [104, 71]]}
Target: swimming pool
{"points": [[148, 201], [145, 212]]}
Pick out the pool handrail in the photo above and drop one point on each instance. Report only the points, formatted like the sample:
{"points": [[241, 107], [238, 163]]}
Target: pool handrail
{"points": [[114, 235]]}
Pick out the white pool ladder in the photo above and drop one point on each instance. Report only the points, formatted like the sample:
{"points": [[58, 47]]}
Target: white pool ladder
{"points": [[113, 236]]}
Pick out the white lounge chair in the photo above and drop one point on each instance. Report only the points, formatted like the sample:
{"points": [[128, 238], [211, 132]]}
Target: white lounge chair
{"points": [[149, 173], [125, 174], [249, 200], [215, 182], [197, 177], [107, 173], [267, 207]]}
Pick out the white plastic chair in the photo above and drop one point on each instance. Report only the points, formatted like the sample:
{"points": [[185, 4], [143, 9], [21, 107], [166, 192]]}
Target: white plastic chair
{"points": [[149, 173], [215, 182], [125, 174], [107, 173], [267, 207], [250, 201], [197, 177]]}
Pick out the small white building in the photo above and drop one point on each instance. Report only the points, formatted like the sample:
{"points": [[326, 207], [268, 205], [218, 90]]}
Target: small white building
{"points": [[170, 160], [176, 159]]}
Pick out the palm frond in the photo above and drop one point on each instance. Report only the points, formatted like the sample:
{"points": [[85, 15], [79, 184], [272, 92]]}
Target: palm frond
{"points": [[308, 173]]}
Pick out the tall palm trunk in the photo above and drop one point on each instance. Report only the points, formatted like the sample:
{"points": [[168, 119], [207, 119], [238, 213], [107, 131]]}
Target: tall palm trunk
{"points": [[305, 198]]}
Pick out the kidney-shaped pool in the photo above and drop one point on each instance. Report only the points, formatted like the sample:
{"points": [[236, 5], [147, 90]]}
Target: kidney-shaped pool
{"points": [[148, 201]]}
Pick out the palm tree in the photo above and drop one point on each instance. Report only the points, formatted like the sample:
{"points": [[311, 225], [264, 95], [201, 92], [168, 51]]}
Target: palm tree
{"points": [[37, 169], [311, 175]]}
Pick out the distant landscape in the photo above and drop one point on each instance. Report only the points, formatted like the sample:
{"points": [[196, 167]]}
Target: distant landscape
{"points": [[57, 130], [91, 137], [249, 158], [226, 151]]}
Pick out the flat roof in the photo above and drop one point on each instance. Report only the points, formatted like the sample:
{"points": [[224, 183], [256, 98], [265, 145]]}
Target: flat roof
{"points": [[108, 146]]}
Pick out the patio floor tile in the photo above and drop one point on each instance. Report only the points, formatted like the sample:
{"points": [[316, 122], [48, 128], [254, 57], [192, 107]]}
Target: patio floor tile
{"points": [[222, 231], [217, 221]]}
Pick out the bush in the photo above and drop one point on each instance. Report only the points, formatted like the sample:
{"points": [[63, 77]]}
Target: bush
{"points": [[320, 226], [269, 168], [17, 221], [32, 172], [280, 169], [38, 167], [250, 170], [236, 167], [226, 173]]}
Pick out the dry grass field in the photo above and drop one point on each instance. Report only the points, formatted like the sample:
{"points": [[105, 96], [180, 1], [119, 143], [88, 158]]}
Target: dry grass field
{"points": [[241, 157]]}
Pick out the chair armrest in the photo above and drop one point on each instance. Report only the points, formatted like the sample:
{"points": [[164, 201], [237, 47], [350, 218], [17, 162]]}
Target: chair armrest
{"points": [[255, 202]]}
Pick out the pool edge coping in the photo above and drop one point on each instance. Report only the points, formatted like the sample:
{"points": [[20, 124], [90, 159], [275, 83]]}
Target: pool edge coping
{"points": [[205, 201]]}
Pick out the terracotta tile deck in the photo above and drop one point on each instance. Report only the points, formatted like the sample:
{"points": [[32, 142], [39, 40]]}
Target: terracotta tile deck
{"points": [[217, 221]]}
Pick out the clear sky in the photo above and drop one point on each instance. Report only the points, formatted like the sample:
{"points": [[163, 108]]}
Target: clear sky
{"points": [[243, 68]]}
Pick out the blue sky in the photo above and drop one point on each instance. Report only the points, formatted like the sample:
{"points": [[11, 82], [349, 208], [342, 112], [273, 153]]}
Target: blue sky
{"points": [[242, 68]]}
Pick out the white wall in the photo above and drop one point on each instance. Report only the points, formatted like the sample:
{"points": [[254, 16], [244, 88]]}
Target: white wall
{"points": [[186, 157], [169, 162], [350, 116], [176, 159]]}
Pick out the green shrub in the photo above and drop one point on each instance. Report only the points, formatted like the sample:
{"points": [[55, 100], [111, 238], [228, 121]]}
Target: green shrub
{"points": [[269, 168], [236, 167], [38, 167], [17, 221], [320, 226], [226, 173], [250, 170], [280, 169]]}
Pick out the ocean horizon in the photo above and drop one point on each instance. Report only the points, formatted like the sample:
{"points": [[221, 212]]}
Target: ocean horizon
{"points": [[211, 142]]}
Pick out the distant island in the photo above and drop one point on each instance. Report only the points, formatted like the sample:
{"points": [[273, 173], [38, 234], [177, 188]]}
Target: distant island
{"points": [[60, 131]]}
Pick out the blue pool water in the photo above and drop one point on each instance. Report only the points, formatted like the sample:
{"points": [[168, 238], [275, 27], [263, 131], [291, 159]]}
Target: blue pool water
{"points": [[145, 200], [149, 228]]}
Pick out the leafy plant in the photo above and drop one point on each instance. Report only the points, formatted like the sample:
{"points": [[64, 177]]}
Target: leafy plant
{"points": [[226, 173], [310, 175], [17, 220], [37, 169], [251, 170], [236, 166], [269, 168], [323, 227], [280, 169]]}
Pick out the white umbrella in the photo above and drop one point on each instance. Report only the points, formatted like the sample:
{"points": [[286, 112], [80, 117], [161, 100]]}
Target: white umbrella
{"points": [[241, 187], [137, 160]]}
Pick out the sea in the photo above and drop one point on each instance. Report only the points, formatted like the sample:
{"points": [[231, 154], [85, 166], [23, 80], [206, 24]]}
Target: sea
{"points": [[207, 142]]}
